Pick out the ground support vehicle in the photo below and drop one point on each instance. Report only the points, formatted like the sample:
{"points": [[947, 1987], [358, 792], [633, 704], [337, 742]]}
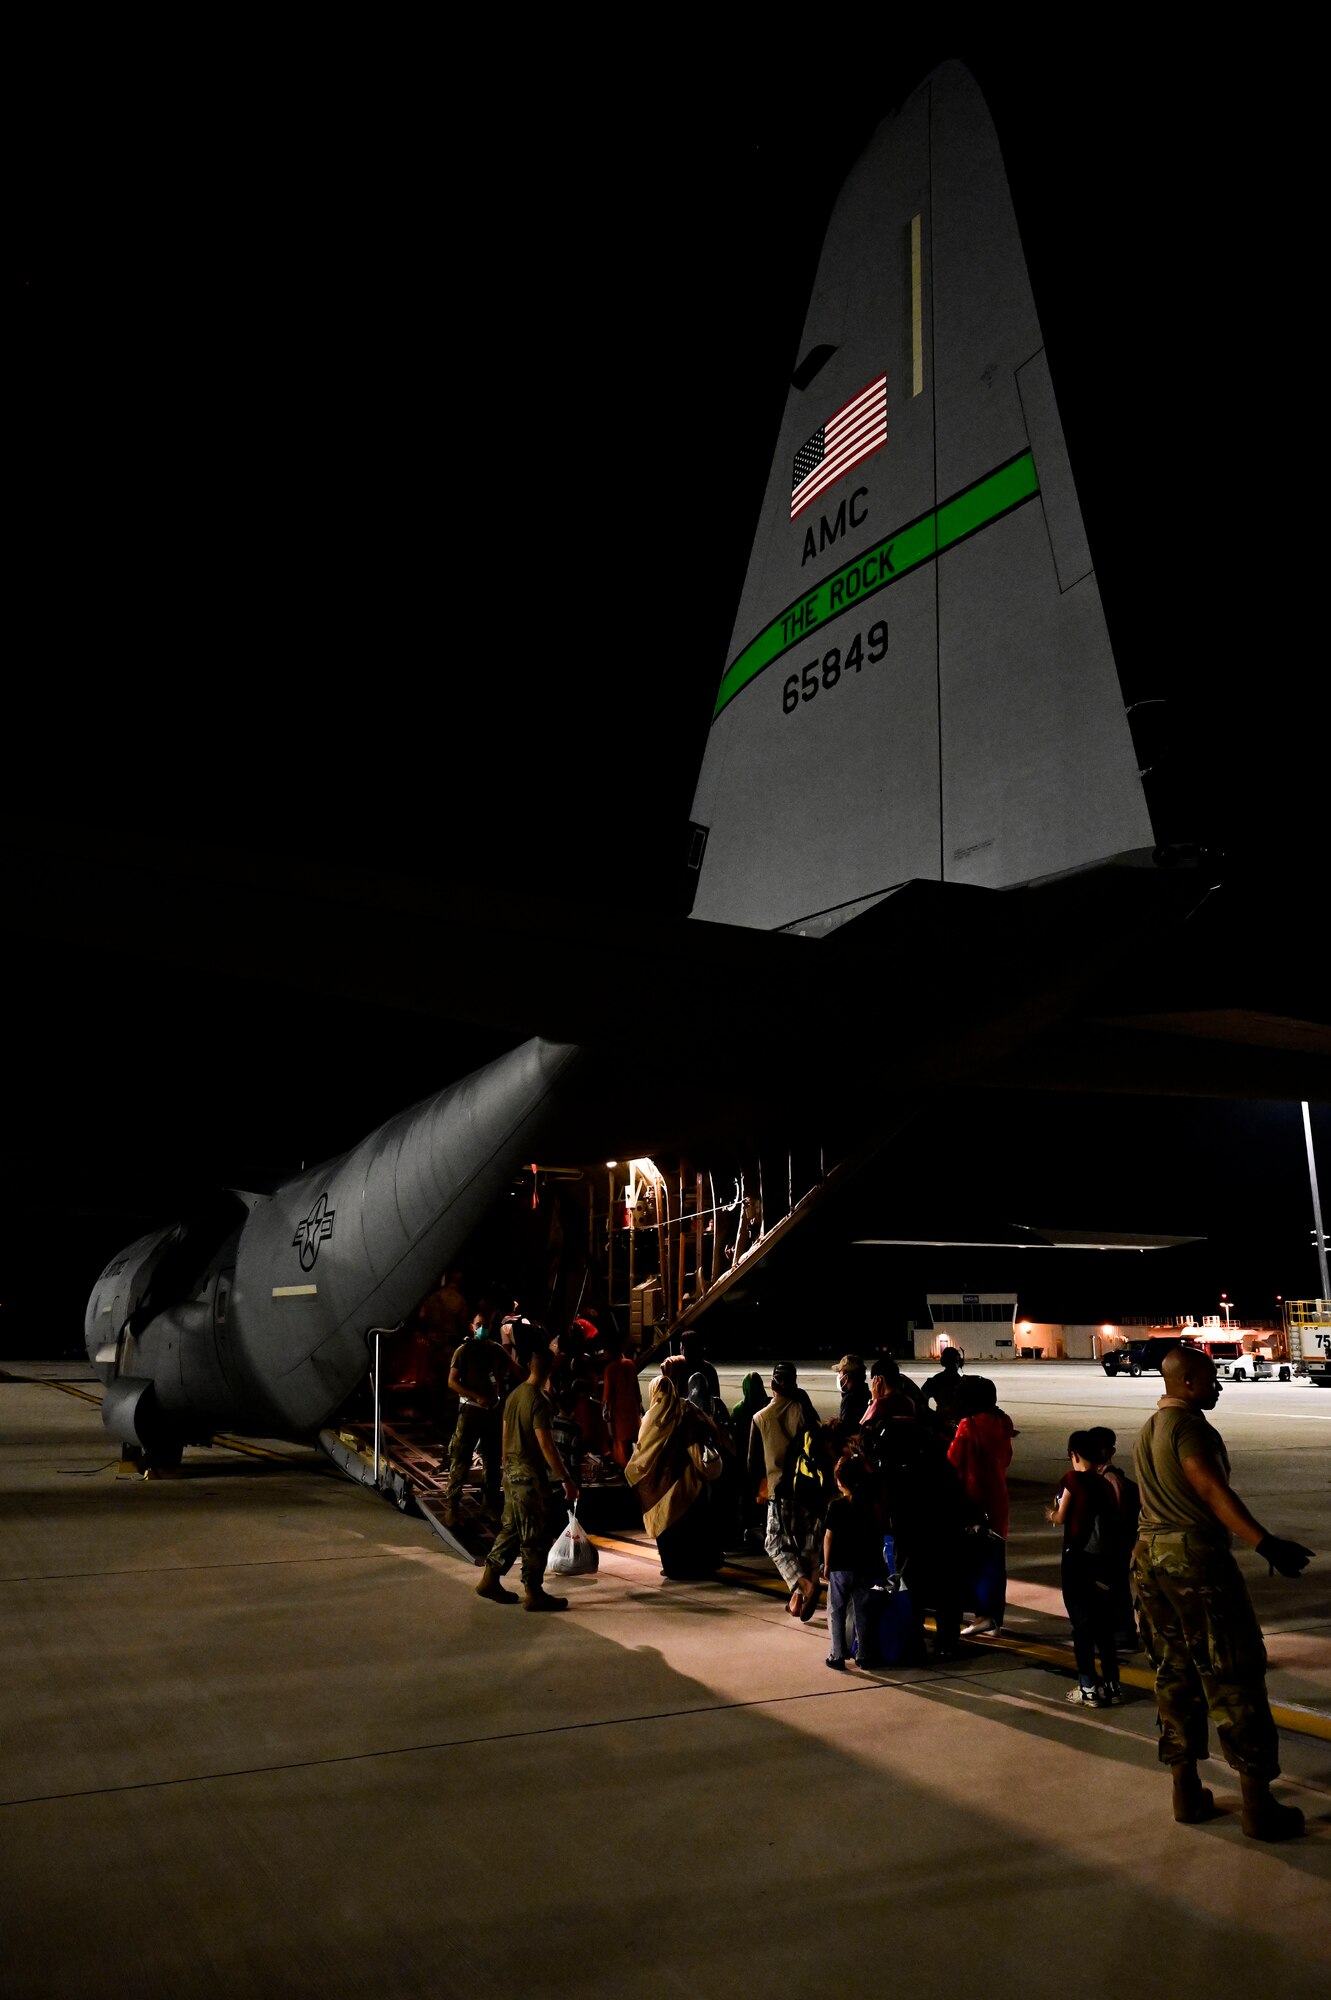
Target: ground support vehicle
{"points": [[1308, 1336], [1250, 1368]]}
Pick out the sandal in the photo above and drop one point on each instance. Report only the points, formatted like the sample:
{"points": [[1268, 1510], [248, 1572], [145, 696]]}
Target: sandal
{"points": [[810, 1604]]}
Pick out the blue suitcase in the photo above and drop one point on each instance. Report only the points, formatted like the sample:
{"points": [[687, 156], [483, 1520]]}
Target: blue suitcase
{"points": [[895, 1635]]}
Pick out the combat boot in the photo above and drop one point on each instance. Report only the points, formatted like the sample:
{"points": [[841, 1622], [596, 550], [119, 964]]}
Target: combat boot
{"points": [[1264, 1818], [491, 1586], [535, 1598], [1193, 1803]]}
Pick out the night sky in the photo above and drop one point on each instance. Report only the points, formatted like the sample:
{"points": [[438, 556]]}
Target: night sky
{"points": [[392, 440]]}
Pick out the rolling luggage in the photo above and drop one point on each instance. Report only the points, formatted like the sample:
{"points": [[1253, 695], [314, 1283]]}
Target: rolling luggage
{"points": [[894, 1638]]}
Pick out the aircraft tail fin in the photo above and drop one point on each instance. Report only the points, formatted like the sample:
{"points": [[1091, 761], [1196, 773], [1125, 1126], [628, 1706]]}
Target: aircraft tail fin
{"points": [[920, 683]]}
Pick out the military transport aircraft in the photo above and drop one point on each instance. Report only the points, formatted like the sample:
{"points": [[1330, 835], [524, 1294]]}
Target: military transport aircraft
{"points": [[922, 832]]}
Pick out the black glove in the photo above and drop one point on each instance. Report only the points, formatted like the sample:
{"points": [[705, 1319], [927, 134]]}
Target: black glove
{"points": [[1290, 1558]]}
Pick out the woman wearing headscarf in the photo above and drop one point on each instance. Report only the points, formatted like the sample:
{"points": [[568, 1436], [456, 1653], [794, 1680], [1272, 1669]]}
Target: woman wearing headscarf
{"points": [[667, 1470]]}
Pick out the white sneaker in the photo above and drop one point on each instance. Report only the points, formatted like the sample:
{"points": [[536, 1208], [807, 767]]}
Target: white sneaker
{"points": [[1081, 1697], [983, 1628]]}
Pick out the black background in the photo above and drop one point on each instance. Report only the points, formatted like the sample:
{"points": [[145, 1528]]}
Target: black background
{"points": [[394, 422]]}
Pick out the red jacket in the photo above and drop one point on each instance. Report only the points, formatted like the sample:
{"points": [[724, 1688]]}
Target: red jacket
{"points": [[981, 1451]]}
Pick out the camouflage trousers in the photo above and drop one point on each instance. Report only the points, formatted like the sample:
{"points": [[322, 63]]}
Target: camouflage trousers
{"points": [[475, 1430], [1204, 1641], [534, 1514]]}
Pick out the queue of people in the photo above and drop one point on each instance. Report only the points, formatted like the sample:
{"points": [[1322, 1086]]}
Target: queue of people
{"points": [[888, 1471], [903, 1487], [930, 1486]]}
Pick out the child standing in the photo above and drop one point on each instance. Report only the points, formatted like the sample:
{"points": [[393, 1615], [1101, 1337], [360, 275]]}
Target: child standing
{"points": [[852, 1560], [1085, 1509]]}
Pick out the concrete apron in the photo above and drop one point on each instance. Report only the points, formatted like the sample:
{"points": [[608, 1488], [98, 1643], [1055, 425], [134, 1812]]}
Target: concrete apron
{"points": [[259, 1731]]}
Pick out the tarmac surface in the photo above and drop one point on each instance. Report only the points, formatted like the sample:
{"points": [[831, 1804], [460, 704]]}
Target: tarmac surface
{"points": [[257, 1733]]}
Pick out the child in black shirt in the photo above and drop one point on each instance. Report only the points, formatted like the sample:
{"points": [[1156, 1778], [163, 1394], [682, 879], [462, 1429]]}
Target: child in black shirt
{"points": [[852, 1560], [1085, 1509]]}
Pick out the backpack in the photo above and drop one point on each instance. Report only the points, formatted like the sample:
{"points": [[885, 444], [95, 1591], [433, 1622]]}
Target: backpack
{"points": [[1129, 1507], [808, 1474]]}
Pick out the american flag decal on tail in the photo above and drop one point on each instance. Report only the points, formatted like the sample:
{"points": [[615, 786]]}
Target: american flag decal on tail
{"points": [[857, 429]]}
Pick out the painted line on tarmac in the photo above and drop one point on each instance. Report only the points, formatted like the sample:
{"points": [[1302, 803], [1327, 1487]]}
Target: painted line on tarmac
{"points": [[1053, 1706], [223, 1438], [645, 1552], [1303, 1721]]}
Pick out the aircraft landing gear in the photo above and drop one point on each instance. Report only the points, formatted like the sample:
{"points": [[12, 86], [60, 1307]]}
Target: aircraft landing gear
{"points": [[159, 1461]]}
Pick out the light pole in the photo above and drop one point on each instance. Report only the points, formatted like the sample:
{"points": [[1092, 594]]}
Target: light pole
{"points": [[1317, 1205], [1224, 1307]]}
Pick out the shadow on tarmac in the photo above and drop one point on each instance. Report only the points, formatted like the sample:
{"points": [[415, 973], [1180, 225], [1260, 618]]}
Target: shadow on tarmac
{"points": [[1103, 1738], [317, 1770]]}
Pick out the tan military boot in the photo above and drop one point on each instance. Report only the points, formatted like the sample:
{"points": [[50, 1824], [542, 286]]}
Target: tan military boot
{"points": [[491, 1586], [534, 1598], [1193, 1803], [1264, 1818]]}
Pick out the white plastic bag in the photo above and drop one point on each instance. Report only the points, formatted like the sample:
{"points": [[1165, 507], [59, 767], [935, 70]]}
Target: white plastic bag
{"points": [[573, 1554]]}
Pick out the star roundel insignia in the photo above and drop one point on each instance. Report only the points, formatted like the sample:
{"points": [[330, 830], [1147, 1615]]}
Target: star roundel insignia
{"points": [[310, 1233]]}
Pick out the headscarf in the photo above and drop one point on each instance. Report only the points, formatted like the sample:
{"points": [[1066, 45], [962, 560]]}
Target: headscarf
{"points": [[661, 1468], [753, 1397]]}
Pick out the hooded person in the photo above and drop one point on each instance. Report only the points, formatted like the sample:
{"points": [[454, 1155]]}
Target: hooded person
{"points": [[752, 1509], [667, 1470], [753, 1397]]}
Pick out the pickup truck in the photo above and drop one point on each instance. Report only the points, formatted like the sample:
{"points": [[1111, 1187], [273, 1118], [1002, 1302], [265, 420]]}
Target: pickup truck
{"points": [[1138, 1356], [1231, 1362]]}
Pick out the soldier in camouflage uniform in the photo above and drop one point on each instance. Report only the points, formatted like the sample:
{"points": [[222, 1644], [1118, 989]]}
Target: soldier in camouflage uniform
{"points": [[480, 1374], [531, 1503], [1200, 1627]]}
